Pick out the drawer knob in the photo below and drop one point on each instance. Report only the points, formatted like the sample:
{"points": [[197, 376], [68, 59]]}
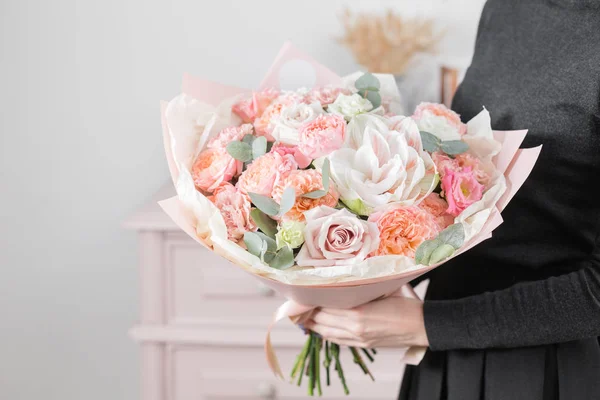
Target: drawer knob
{"points": [[267, 391], [264, 290]]}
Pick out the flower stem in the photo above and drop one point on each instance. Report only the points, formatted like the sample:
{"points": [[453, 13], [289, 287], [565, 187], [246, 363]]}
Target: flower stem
{"points": [[358, 360], [327, 362], [301, 369], [369, 356], [311, 375], [335, 349], [318, 365], [300, 359]]}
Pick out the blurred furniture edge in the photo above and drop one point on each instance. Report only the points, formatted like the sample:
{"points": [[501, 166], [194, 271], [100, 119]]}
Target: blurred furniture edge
{"points": [[452, 71], [202, 325]]}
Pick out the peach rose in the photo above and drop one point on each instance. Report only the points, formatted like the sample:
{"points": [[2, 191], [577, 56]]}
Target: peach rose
{"points": [[437, 207], [265, 172], [235, 208], [214, 166], [229, 135], [461, 189], [304, 181], [403, 229], [322, 135], [440, 121], [250, 109]]}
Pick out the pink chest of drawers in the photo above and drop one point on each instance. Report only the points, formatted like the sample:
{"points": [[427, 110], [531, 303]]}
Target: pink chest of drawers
{"points": [[202, 325]]}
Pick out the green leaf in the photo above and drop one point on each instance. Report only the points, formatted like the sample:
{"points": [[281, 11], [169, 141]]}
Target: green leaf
{"points": [[373, 96], [264, 223], [325, 173], [253, 243], [367, 81], [271, 243], [259, 147], [428, 182], [430, 142], [288, 199], [283, 259], [454, 147], [357, 206], [441, 253], [270, 146], [423, 253], [248, 138], [454, 235], [240, 151], [264, 204], [315, 194]]}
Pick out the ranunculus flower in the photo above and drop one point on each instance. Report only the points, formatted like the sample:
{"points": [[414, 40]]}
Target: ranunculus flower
{"points": [[383, 169], [289, 120], [440, 121], [235, 208], [322, 135], [437, 207], [265, 172], [336, 237], [460, 189], [229, 135], [403, 229], [302, 160], [214, 166], [348, 106], [250, 109], [290, 233], [304, 181], [325, 95]]}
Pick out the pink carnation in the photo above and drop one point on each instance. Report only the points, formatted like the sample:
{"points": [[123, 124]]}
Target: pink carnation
{"points": [[466, 160], [403, 229], [437, 207], [461, 189], [250, 109], [214, 166], [265, 172], [325, 95], [444, 162], [235, 208], [302, 160], [230, 134], [322, 135]]}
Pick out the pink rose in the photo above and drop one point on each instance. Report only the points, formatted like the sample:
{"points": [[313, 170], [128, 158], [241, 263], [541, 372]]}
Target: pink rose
{"points": [[235, 208], [403, 229], [230, 134], [325, 95], [437, 207], [304, 181], [461, 189], [440, 121], [336, 237], [322, 135], [265, 172], [214, 166], [250, 109], [302, 160]]}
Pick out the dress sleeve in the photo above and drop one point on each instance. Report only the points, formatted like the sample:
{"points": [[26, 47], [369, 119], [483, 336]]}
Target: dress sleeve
{"points": [[553, 310]]}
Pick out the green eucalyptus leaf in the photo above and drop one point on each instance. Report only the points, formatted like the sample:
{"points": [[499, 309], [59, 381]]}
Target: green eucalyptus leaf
{"points": [[441, 253], [373, 96], [367, 81], [423, 253], [315, 194], [264, 223], [288, 199], [271, 243], [270, 146], [264, 204], [325, 173], [253, 243], [259, 147], [248, 138], [454, 147], [283, 259], [454, 235], [430, 142], [240, 151]]}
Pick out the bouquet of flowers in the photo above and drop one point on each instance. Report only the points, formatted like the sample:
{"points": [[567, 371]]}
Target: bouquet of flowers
{"points": [[327, 187]]}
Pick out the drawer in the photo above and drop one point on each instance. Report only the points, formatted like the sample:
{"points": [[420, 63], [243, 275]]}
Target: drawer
{"points": [[228, 373], [204, 288]]}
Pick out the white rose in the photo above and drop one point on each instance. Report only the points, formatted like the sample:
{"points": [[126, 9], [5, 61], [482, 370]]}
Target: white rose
{"points": [[388, 166], [350, 106], [291, 118]]}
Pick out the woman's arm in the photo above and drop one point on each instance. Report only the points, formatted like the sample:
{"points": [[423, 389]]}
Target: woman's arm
{"points": [[553, 310]]}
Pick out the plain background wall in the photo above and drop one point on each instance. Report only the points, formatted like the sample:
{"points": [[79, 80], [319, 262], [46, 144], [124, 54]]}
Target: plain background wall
{"points": [[80, 149]]}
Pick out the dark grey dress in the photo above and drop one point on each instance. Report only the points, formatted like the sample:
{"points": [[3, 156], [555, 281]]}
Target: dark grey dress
{"points": [[518, 317]]}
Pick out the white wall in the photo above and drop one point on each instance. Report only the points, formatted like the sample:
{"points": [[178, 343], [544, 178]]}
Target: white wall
{"points": [[80, 149]]}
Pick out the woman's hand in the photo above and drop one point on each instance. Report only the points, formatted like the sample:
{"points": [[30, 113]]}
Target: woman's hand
{"points": [[390, 322]]}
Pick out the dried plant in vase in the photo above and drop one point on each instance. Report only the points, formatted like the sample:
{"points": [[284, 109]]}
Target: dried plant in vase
{"points": [[388, 43]]}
